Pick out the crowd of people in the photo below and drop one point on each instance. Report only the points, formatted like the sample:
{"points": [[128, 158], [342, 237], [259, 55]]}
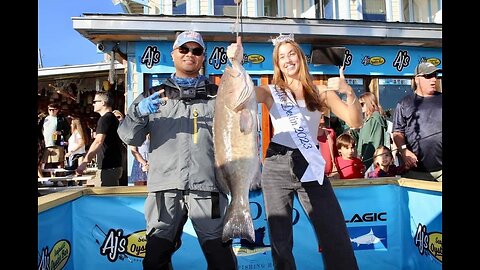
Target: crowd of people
{"points": [[65, 142], [178, 166], [414, 140]]}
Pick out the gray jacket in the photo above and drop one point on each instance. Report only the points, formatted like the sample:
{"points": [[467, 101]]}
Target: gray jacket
{"points": [[181, 147]]}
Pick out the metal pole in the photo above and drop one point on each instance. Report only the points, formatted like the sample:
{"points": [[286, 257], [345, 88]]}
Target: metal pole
{"points": [[40, 61]]}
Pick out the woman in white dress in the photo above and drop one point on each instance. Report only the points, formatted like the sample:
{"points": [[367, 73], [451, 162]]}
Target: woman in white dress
{"points": [[76, 144]]}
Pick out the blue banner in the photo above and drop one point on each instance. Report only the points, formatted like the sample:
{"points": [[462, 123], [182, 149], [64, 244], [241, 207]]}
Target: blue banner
{"points": [[390, 227], [154, 57]]}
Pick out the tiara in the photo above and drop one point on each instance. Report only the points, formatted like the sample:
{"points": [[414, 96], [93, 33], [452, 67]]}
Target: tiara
{"points": [[282, 38]]}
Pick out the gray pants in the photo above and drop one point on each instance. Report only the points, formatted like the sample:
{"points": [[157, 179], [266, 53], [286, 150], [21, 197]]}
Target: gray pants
{"points": [[166, 213], [107, 177], [279, 184]]}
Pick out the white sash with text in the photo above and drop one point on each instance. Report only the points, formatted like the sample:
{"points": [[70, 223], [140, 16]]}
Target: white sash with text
{"points": [[300, 135]]}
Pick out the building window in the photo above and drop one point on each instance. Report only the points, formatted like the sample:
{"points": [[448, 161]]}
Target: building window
{"points": [[225, 8], [391, 91], [358, 85], [270, 8], [299, 8], [179, 7], [329, 8], [374, 10], [426, 11], [151, 80]]}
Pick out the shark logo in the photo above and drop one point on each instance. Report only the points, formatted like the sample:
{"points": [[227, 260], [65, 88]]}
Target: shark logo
{"points": [[366, 239], [371, 237]]}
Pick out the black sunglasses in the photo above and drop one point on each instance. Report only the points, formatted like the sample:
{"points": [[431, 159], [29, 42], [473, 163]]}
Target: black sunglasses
{"points": [[195, 51], [429, 76]]}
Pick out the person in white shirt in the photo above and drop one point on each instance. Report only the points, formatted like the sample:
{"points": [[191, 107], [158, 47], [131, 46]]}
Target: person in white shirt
{"points": [[76, 144], [55, 129]]}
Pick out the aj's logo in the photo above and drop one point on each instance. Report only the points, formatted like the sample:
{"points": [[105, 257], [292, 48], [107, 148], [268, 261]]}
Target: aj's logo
{"points": [[218, 57], [114, 245], [57, 258], [347, 61], [401, 60], [428, 242], [150, 57]]}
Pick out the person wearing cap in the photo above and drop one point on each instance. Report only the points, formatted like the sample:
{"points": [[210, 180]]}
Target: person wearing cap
{"points": [[181, 183], [417, 126]]}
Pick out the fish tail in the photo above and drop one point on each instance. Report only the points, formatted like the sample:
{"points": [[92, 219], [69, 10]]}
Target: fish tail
{"points": [[238, 224]]}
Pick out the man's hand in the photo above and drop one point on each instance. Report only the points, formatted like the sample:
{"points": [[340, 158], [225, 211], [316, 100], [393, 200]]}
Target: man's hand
{"points": [[235, 51], [150, 104], [409, 158], [81, 167]]}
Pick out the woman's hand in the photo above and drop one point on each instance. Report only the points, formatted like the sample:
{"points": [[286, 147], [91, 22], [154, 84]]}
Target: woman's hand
{"points": [[339, 83]]}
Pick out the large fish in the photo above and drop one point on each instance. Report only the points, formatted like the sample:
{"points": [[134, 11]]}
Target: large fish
{"points": [[235, 137]]}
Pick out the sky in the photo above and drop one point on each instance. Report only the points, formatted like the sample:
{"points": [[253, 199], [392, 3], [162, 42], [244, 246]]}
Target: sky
{"points": [[58, 42]]}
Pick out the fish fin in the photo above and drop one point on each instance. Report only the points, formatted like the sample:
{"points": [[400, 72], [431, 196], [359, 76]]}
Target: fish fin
{"points": [[246, 122], [221, 182], [256, 182], [238, 223], [245, 94]]}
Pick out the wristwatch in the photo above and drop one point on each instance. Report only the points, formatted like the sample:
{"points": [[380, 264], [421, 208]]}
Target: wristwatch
{"points": [[403, 147]]}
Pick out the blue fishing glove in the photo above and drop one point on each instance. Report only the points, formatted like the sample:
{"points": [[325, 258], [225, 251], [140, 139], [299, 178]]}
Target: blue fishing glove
{"points": [[149, 105]]}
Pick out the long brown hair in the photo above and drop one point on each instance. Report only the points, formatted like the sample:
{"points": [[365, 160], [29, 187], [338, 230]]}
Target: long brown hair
{"points": [[76, 125], [312, 98], [371, 104]]}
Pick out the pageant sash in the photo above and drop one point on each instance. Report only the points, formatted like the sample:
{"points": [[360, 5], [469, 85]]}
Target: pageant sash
{"points": [[300, 134]]}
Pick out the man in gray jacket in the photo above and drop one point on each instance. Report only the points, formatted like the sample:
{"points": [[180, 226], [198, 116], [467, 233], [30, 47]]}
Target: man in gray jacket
{"points": [[178, 115]]}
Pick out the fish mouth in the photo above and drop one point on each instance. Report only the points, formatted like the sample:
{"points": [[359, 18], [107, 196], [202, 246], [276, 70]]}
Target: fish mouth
{"points": [[236, 71]]}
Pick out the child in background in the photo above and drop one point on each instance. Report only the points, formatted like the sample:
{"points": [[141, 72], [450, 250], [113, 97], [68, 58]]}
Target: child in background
{"points": [[348, 164], [383, 163], [326, 141]]}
